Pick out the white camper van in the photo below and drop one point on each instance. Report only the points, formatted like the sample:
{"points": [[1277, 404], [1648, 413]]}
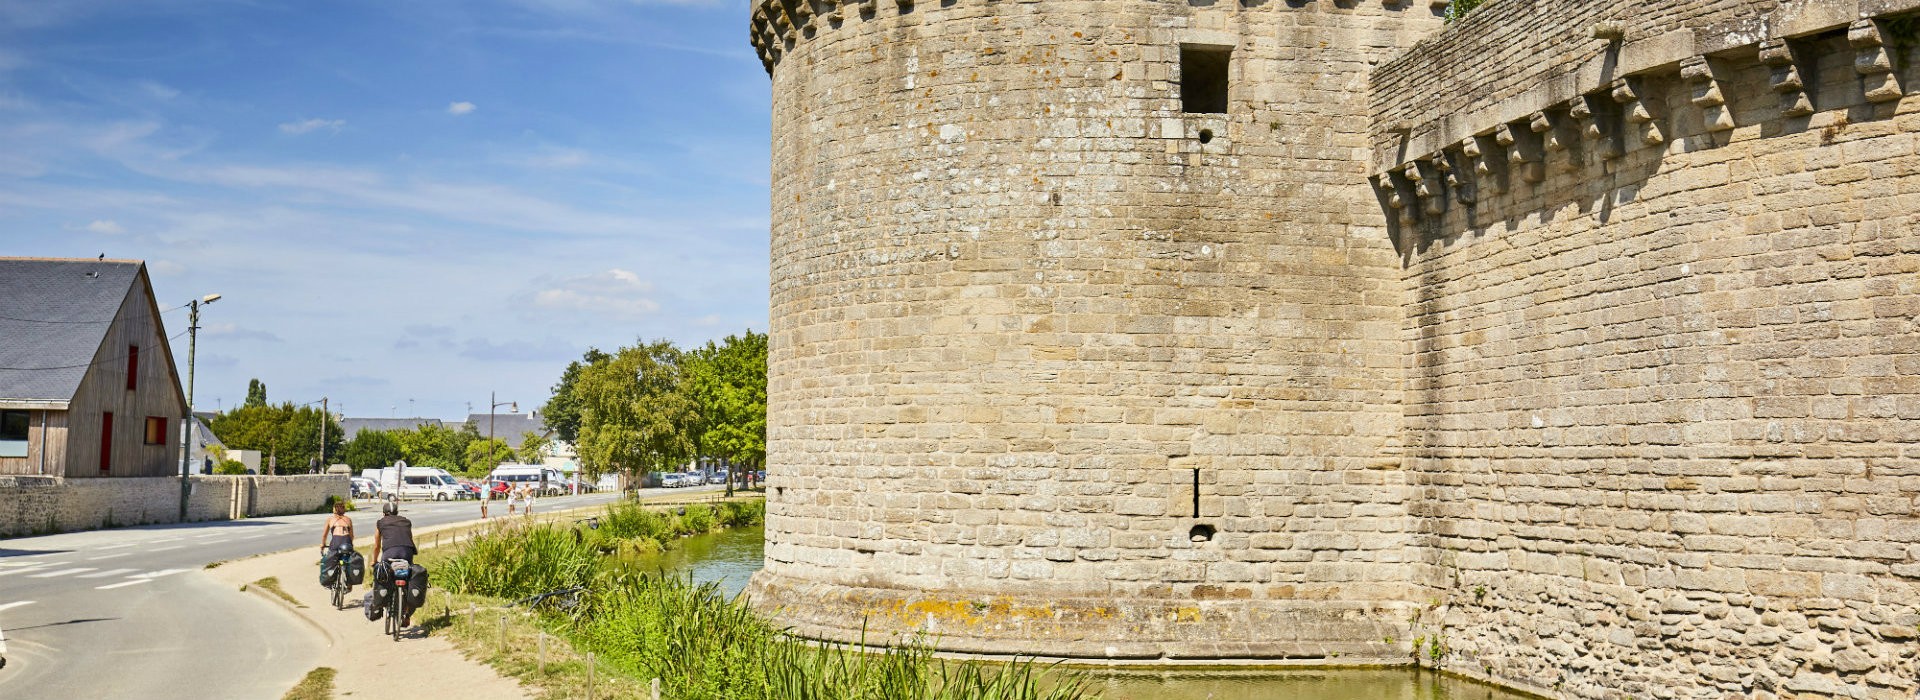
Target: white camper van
{"points": [[423, 483], [548, 480]]}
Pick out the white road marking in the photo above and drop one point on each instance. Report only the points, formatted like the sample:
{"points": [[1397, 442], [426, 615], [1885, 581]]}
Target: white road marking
{"points": [[157, 574], [65, 572], [11, 572], [166, 549], [134, 582], [169, 539], [108, 556], [104, 574], [117, 546], [20, 563], [15, 604], [249, 537]]}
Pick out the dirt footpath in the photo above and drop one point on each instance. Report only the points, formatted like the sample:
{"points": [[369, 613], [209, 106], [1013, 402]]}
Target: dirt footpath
{"points": [[371, 666]]}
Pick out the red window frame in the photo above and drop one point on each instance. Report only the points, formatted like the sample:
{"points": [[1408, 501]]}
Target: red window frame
{"points": [[106, 442], [156, 430], [133, 366]]}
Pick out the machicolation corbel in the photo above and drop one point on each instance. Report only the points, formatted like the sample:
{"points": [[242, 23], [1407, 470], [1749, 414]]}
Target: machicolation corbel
{"points": [[1531, 169], [1485, 171], [1643, 128], [1698, 73], [1871, 61], [1777, 54]]}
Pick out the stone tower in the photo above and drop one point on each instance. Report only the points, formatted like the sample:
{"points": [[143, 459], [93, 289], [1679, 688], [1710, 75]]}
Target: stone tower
{"points": [[1085, 326]]}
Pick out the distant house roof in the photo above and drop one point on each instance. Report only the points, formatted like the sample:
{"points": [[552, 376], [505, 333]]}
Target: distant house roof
{"points": [[54, 313], [351, 427], [509, 426]]}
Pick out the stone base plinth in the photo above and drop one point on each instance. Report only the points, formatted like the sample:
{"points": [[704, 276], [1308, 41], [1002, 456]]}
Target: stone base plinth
{"points": [[1342, 632]]}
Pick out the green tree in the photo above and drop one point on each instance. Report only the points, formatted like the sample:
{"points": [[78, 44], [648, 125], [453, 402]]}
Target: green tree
{"points": [[373, 449], [635, 415], [256, 394], [483, 455], [727, 383], [249, 427], [563, 410], [1460, 8], [431, 445], [284, 434], [298, 445], [533, 448]]}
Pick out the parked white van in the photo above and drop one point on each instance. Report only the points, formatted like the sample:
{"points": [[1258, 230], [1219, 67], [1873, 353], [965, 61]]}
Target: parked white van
{"points": [[548, 480], [425, 483]]}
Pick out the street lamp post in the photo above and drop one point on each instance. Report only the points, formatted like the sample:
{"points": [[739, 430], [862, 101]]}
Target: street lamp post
{"points": [[514, 406], [186, 423]]}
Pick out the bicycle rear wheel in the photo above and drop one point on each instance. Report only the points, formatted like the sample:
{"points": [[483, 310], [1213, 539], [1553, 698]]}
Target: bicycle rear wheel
{"points": [[393, 616]]}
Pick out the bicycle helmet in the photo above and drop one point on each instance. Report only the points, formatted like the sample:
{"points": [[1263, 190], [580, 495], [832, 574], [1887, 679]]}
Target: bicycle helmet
{"points": [[391, 508]]}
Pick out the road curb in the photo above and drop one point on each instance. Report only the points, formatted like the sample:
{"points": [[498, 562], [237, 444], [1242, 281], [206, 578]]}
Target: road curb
{"points": [[298, 612]]}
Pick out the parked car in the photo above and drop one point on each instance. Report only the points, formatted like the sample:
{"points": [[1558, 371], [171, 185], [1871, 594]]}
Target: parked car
{"points": [[673, 480], [468, 489], [365, 488]]}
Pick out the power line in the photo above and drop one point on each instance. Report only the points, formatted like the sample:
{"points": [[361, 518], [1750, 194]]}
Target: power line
{"points": [[110, 360], [45, 320]]}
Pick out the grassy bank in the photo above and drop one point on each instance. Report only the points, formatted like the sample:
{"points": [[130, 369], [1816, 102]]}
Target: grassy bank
{"points": [[643, 625]]}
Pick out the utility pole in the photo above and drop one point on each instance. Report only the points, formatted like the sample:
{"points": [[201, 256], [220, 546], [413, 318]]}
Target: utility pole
{"points": [[186, 423], [323, 434]]}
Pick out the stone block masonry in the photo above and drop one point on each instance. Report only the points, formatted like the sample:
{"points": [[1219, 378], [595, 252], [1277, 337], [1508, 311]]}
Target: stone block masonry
{"points": [[1570, 346], [42, 505]]}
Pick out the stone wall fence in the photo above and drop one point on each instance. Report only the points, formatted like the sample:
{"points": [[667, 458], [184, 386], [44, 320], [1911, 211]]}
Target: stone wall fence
{"points": [[32, 505]]}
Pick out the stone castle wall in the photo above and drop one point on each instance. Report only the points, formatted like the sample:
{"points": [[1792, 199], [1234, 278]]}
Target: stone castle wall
{"points": [[1573, 346], [42, 505], [1020, 305], [1664, 354]]}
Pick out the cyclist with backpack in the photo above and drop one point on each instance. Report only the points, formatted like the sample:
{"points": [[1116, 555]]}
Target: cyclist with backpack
{"points": [[393, 539]]}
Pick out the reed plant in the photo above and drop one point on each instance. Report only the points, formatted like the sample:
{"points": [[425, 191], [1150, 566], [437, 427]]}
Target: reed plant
{"points": [[516, 561], [701, 645]]}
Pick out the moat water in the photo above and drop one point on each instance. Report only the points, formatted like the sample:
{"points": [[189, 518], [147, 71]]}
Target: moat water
{"points": [[730, 558]]}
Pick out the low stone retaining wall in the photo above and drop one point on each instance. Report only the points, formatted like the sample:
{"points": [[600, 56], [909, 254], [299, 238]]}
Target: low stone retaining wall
{"points": [[41, 505]]}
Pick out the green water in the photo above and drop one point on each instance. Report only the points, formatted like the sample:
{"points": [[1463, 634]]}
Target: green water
{"points": [[729, 558]]}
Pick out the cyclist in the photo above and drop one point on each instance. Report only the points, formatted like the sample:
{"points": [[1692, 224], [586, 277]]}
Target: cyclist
{"points": [[337, 533], [393, 539], [336, 537]]}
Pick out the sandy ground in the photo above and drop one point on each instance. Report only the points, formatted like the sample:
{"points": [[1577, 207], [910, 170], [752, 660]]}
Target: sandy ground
{"points": [[371, 666]]}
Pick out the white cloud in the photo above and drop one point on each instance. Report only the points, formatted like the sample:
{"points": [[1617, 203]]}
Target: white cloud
{"points": [[459, 108], [158, 90], [107, 226], [615, 293], [301, 127]]}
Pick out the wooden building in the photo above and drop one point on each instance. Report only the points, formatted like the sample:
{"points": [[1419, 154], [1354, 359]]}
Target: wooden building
{"points": [[88, 386]]}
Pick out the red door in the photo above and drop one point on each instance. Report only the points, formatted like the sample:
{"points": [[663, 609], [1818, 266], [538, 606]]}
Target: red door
{"points": [[106, 442]]}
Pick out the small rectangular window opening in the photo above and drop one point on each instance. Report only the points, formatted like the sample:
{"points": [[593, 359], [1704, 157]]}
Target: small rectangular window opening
{"points": [[1203, 78], [156, 430], [1196, 493], [106, 442], [13, 433], [133, 366]]}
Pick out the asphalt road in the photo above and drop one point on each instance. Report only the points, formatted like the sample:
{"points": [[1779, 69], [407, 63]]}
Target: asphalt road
{"points": [[129, 613]]}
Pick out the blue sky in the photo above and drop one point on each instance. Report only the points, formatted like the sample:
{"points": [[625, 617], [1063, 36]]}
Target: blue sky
{"points": [[404, 204]]}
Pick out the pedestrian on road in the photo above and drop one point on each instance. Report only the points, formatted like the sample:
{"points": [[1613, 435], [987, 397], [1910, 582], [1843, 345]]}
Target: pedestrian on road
{"points": [[513, 499], [337, 533], [486, 494], [527, 494]]}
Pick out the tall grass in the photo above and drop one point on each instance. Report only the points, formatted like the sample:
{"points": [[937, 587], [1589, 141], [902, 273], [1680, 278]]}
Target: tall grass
{"points": [[701, 645], [517, 561]]}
